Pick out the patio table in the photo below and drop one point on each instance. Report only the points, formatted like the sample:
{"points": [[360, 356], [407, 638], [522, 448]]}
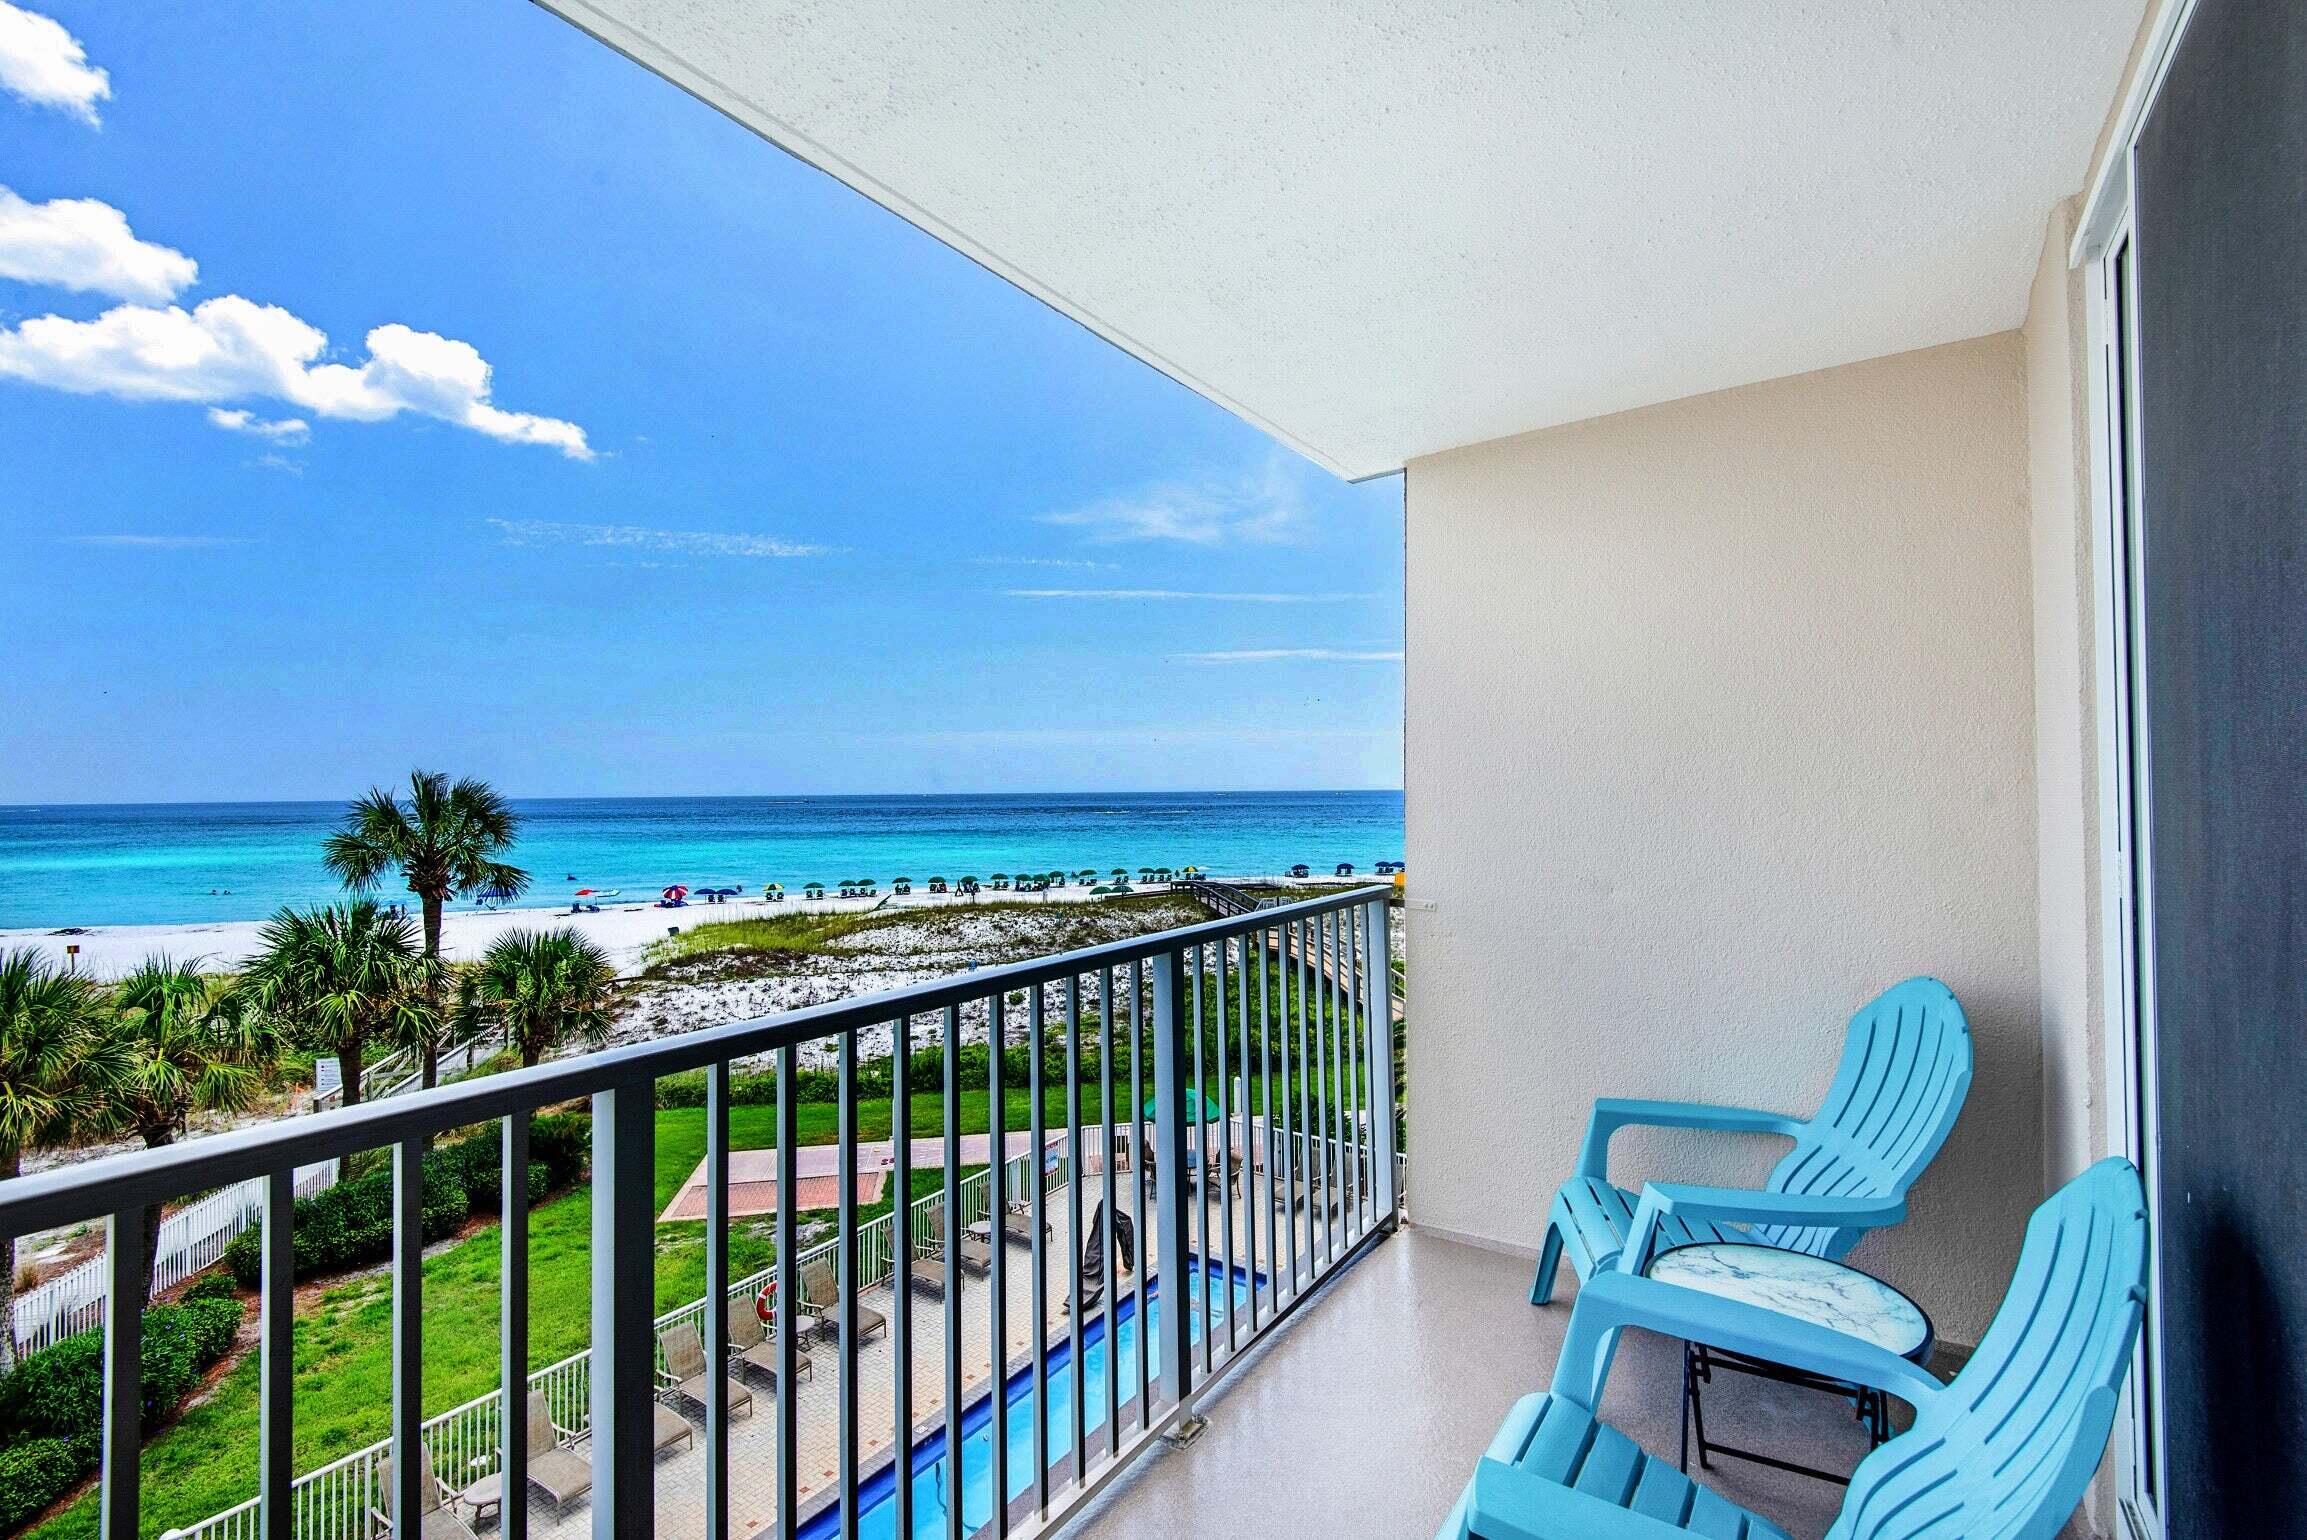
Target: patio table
{"points": [[1834, 1295]]}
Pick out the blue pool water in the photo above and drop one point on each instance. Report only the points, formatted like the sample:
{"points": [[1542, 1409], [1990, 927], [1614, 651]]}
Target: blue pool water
{"points": [[188, 862], [932, 1473]]}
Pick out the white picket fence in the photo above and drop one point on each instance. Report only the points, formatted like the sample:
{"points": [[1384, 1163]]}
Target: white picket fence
{"points": [[338, 1501]]}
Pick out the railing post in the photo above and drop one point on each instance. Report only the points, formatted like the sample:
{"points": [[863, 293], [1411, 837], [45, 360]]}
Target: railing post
{"points": [[276, 1435], [1170, 1091], [410, 1469], [123, 1478], [1378, 1012], [624, 1299], [513, 1332]]}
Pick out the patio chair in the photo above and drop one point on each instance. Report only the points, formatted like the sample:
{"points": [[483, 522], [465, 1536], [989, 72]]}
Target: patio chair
{"points": [[1017, 1224], [1906, 1066], [751, 1346], [2007, 1450], [555, 1467], [669, 1427], [683, 1377], [975, 1251], [821, 1301], [436, 1520], [926, 1270]]}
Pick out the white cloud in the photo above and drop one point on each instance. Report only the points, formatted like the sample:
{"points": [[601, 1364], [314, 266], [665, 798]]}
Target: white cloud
{"points": [[79, 243], [1291, 654], [1045, 561], [679, 542], [155, 542], [233, 349], [283, 430], [1157, 594], [1266, 508], [46, 66]]}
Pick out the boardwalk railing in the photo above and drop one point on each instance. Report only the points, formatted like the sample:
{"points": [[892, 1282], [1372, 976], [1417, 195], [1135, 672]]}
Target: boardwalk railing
{"points": [[1125, 1034]]}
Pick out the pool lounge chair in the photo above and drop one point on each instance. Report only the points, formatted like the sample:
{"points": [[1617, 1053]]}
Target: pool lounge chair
{"points": [[1017, 1224], [1906, 1067], [821, 1302], [555, 1467], [683, 1377], [2007, 1449], [437, 1521], [751, 1346], [975, 1251]]}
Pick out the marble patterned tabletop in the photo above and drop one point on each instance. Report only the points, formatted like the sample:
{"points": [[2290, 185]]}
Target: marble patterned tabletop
{"points": [[1809, 1288]]}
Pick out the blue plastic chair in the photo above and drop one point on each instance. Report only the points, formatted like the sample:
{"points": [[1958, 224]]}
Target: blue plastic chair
{"points": [[2003, 1453], [1906, 1067]]}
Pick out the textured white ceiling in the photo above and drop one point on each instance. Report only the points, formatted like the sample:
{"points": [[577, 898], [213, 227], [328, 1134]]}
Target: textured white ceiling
{"points": [[1379, 230]]}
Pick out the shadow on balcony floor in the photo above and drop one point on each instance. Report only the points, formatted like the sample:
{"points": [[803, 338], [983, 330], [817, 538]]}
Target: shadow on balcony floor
{"points": [[1366, 1416]]}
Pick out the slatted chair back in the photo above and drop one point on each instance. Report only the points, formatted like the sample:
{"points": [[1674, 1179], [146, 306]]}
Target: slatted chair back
{"points": [[2007, 1450], [683, 1350], [1906, 1067]]}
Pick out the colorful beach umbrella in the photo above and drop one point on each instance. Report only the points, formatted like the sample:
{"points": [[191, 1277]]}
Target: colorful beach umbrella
{"points": [[1210, 1111]]}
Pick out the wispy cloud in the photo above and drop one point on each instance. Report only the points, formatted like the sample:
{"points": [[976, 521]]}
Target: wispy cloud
{"points": [[155, 542], [281, 430], [1291, 654], [1179, 594], [85, 245], [678, 542], [1045, 561], [1267, 507], [45, 65]]}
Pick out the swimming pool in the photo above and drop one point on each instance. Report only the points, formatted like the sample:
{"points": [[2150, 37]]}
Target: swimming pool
{"points": [[932, 1472]]}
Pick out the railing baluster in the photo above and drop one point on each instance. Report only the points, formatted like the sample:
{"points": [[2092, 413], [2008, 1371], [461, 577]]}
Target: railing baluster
{"points": [[1141, 1237], [1171, 1067], [513, 1333], [1110, 1262], [1199, 1135], [1251, 1164], [1225, 1294], [119, 1510], [1379, 988], [788, 1292], [845, 1282], [1336, 1064], [949, 1228], [411, 1467], [1076, 1242], [997, 1275], [717, 1300], [1289, 1145], [623, 1367], [1037, 1218], [901, 1292], [1349, 1014], [276, 1371]]}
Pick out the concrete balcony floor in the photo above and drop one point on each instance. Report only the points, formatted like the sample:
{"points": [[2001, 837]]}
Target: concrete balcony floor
{"points": [[1365, 1415]]}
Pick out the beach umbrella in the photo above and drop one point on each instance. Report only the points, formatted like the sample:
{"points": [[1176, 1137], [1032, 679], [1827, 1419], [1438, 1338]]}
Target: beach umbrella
{"points": [[1119, 874], [675, 893], [586, 892], [1210, 1112]]}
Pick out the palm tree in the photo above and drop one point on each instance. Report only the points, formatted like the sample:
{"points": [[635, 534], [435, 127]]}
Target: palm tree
{"points": [[183, 1049], [54, 1063], [444, 840], [543, 987], [341, 978]]}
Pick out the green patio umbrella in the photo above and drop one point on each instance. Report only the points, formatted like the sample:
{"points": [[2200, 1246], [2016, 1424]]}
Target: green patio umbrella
{"points": [[1210, 1111]]}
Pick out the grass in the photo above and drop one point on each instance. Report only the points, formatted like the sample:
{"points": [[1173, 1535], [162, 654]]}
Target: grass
{"points": [[799, 932]]}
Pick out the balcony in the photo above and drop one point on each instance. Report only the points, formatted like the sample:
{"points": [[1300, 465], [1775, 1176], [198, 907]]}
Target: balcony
{"points": [[1254, 1156]]}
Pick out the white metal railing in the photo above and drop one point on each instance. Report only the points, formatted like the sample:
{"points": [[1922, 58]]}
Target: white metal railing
{"points": [[401, 1071], [1286, 996]]}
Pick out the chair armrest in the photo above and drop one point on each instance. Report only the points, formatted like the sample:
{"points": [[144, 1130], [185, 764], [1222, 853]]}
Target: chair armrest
{"points": [[1747, 1206], [1510, 1504], [1613, 1113], [1611, 1301]]}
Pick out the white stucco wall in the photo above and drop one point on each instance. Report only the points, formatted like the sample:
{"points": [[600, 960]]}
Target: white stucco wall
{"points": [[2066, 716], [1720, 719]]}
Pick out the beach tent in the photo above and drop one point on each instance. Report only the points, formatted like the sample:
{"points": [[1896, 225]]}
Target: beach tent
{"points": [[937, 884], [1301, 870]]}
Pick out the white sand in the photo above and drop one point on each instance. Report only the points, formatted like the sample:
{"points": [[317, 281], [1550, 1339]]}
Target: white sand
{"points": [[626, 929]]}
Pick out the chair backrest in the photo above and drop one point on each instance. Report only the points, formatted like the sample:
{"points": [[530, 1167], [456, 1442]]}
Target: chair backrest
{"points": [[541, 1435], [428, 1489], [818, 1286], [1906, 1067], [745, 1325], [2006, 1452], [684, 1351]]}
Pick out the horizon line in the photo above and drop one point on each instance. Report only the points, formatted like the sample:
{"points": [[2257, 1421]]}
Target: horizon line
{"points": [[738, 796]]}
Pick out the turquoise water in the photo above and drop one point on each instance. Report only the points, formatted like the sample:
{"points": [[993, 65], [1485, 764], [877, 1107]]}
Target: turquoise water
{"points": [[932, 1472], [168, 864]]}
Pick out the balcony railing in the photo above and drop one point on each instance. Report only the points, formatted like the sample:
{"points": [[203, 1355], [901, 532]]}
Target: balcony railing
{"points": [[1227, 1087]]}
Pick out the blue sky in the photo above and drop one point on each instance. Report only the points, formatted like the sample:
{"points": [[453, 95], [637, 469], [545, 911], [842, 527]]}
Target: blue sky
{"points": [[762, 490]]}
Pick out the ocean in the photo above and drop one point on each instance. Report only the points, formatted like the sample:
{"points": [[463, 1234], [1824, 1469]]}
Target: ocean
{"points": [[178, 862]]}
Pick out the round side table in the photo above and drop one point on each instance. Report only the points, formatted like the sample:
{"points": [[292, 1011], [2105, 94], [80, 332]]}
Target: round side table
{"points": [[1829, 1294]]}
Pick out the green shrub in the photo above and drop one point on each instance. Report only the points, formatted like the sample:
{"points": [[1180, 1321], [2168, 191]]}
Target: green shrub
{"points": [[351, 1223], [58, 1393], [34, 1474], [217, 1283]]}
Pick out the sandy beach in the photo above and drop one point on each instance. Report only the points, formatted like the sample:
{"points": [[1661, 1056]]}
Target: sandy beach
{"points": [[626, 929]]}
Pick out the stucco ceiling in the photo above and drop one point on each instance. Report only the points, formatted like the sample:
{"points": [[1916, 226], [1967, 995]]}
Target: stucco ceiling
{"points": [[1379, 230]]}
